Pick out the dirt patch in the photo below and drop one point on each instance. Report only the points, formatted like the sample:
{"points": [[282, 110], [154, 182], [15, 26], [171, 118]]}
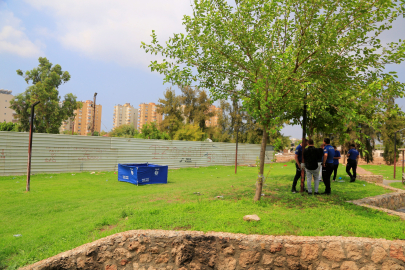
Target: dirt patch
{"points": [[363, 171], [109, 228]]}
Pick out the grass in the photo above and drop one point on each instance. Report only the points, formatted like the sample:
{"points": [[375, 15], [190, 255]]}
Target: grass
{"points": [[386, 170], [63, 211], [398, 185]]}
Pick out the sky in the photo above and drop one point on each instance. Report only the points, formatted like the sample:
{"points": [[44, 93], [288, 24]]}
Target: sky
{"points": [[98, 43]]}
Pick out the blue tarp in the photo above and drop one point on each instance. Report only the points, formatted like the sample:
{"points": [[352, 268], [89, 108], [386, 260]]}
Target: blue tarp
{"points": [[142, 173]]}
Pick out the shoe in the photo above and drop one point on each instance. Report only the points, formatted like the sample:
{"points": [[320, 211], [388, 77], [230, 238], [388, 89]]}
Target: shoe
{"points": [[326, 193], [309, 193], [352, 179], [293, 190], [316, 193]]}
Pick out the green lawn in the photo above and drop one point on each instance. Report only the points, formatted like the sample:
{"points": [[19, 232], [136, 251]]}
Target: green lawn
{"points": [[385, 170], [398, 185], [63, 211]]}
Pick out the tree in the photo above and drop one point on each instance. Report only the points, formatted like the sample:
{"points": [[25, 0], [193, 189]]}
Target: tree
{"points": [[150, 131], [196, 104], [393, 120], [126, 131], [277, 55], [170, 108], [8, 126], [190, 132], [51, 112]]}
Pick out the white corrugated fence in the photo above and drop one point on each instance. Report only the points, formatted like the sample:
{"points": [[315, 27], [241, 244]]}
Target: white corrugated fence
{"points": [[54, 153]]}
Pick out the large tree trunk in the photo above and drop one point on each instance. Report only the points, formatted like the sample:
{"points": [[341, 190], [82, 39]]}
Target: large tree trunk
{"points": [[260, 178]]}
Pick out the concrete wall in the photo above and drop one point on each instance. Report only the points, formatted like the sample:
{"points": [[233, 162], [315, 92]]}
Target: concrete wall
{"points": [[170, 250]]}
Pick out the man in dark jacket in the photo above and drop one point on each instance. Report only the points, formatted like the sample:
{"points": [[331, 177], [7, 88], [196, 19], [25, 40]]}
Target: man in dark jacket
{"points": [[311, 157]]}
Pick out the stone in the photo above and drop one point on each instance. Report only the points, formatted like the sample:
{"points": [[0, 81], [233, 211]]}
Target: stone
{"points": [[110, 267], [334, 252], [276, 247], [120, 253], [154, 250], [353, 251], [162, 258], [104, 256], [151, 268], [378, 254], [279, 261], [369, 267], [335, 265], [292, 250], [249, 257], [391, 265], [229, 250], [251, 218], [267, 259], [293, 264], [323, 266], [184, 254], [195, 266], [349, 265], [227, 264], [145, 258], [80, 263], [211, 262], [309, 252], [397, 252], [124, 262], [136, 246]]}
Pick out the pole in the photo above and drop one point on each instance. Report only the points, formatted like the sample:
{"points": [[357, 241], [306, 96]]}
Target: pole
{"points": [[403, 161], [304, 127], [236, 155], [94, 114], [395, 154], [30, 146]]}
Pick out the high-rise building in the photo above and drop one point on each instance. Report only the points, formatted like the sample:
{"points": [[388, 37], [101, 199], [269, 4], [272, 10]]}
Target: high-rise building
{"points": [[83, 121], [125, 115], [6, 114], [213, 121], [147, 114]]}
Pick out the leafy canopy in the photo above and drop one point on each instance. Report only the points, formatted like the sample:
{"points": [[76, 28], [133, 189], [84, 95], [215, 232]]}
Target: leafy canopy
{"points": [[51, 111]]}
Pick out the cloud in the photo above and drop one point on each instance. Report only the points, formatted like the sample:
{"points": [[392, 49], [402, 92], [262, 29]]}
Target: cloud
{"points": [[13, 38], [113, 30]]}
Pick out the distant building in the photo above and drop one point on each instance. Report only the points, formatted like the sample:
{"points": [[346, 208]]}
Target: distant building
{"points": [[6, 114], [83, 121], [147, 114], [125, 115], [213, 121]]}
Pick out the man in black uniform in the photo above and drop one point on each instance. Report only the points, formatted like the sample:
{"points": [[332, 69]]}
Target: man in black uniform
{"points": [[298, 160]]}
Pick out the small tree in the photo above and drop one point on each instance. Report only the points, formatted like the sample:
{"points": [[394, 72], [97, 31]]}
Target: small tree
{"points": [[272, 54], [190, 133], [52, 111]]}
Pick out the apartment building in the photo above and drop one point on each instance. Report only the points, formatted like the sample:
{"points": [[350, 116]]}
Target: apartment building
{"points": [[147, 114], [213, 121], [125, 115], [6, 114], [83, 121]]}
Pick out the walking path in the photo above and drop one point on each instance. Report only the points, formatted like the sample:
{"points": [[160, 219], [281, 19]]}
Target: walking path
{"points": [[385, 182]]}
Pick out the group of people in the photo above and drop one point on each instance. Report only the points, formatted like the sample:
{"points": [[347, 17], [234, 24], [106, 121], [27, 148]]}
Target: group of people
{"points": [[320, 163]]}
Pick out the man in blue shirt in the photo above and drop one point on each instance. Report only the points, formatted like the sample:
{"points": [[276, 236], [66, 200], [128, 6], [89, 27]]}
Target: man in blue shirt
{"points": [[335, 162], [298, 160], [328, 155], [353, 156]]}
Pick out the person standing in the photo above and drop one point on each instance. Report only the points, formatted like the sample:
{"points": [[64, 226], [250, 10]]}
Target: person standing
{"points": [[311, 157], [320, 160], [335, 162], [328, 155], [352, 160], [298, 160]]}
